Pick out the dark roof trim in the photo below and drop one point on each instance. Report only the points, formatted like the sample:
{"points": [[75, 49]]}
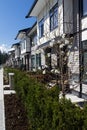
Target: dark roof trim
{"points": [[23, 30], [17, 44], [28, 15], [46, 44], [32, 27]]}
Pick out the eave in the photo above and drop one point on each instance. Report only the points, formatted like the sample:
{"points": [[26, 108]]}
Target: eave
{"points": [[33, 28], [21, 33], [36, 8], [32, 7], [16, 44]]}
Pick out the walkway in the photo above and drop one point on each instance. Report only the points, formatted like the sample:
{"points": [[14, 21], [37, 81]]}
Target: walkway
{"points": [[2, 115]]}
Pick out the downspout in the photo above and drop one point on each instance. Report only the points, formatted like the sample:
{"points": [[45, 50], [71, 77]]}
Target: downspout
{"points": [[80, 52]]}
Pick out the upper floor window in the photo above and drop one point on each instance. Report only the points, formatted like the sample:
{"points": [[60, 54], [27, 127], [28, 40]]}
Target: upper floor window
{"points": [[23, 44], [34, 39], [38, 60], [32, 61], [84, 8], [41, 28], [54, 17], [84, 61]]}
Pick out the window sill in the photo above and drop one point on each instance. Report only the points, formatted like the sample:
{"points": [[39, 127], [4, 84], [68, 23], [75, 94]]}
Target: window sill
{"points": [[53, 29], [41, 37], [84, 16]]}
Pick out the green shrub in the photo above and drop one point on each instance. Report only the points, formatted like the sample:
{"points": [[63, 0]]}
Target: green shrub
{"points": [[44, 109]]}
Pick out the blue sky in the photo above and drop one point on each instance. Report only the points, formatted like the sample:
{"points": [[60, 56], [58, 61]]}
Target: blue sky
{"points": [[12, 19]]}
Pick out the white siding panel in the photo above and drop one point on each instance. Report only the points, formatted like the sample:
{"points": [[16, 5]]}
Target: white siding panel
{"points": [[84, 23], [68, 16], [84, 35], [74, 62]]}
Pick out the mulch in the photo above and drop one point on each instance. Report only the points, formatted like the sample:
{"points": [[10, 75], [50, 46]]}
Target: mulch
{"points": [[15, 114]]}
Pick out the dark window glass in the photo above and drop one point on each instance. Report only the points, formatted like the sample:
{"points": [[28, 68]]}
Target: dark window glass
{"points": [[84, 7], [32, 61], [41, 28], [38, 60], [54, 17], [23, 44], [33, 40], [84, 62]]}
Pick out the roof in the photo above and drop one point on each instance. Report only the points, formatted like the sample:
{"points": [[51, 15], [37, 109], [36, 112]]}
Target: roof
{"points": [[16, 44], [22, 31], [28, 15], [11, 49], [32, 27]]}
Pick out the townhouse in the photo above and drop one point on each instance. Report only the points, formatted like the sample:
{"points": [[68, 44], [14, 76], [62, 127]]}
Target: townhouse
{"points": [[25, 48], [51, 24], [35, 60], [63, 21], [54, 28], [14, 55], [30, 58]]}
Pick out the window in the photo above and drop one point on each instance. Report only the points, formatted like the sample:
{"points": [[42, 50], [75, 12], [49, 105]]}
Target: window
{"points": [[41, 28], [84, 8], [23, 44], [84, 62], [32, 61], [34, 40], [38, 60], [54, 17]]}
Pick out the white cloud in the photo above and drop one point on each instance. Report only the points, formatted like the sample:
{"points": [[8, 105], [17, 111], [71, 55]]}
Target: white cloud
{"points": [[4, 48]]}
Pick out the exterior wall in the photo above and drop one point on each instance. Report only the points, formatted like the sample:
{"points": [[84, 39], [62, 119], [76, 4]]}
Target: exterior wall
{"points": [[49, 35], [33, 45], [11, 58], [80, 35], [45, 14], [84, 28], [84, 23], [84, 53], [65, 23], [17, 52], [15, 55], [25, 45], [73, 62], [68, 16]]}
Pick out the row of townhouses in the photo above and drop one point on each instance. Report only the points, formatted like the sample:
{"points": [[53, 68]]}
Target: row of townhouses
{"points": [[61, 22]]}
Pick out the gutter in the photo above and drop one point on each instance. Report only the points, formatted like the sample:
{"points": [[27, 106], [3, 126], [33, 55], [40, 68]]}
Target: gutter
{"points": [[32, 7]]}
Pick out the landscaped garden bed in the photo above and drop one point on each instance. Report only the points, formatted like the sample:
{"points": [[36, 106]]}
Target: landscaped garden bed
{"points": [[45, 110], [15, 114]]}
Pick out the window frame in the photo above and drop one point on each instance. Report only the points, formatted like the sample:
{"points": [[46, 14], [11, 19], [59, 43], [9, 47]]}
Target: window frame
{"points": [[33, 40], [23, 44], [84, 50], [33, 62], [82, 9], [41, 28], [38, 60], [52, 12]]}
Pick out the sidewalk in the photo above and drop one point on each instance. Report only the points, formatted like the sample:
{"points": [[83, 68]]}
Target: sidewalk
{"points": [[2, 112]]}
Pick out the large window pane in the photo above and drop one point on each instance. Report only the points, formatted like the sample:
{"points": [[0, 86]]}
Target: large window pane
{"points": [[84, 61], [38, 60], [41, 28], [84, 7], [54, 17], [32, 61], [33, 39]]}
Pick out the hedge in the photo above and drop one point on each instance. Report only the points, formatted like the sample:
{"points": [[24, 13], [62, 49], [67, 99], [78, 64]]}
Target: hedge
{"points": [[44, 109]]}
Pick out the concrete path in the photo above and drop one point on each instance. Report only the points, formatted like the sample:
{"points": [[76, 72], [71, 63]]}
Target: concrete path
{"points": [[2, 112]]}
